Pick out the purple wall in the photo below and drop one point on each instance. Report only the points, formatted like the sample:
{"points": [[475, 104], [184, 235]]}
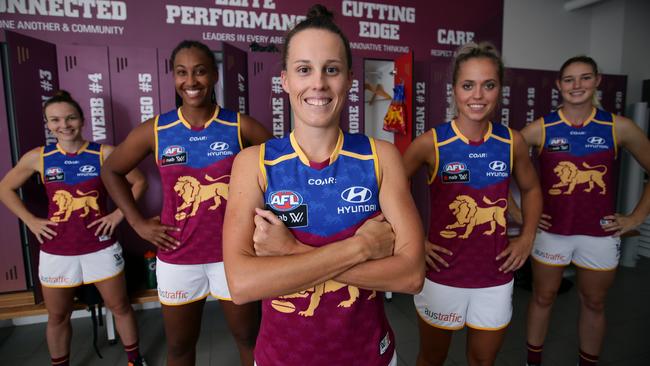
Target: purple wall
{"points": [[268, 102], [381, 28], [12, 268]]}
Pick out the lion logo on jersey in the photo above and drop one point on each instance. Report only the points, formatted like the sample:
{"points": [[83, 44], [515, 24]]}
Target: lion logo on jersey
{"points": [[193, 193], [570, 175], [68, 203], [469, 215], [315, 293]]}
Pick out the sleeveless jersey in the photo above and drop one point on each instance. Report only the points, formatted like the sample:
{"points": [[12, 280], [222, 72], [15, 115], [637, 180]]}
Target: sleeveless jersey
{"points": [[331, 323], [194, 165], [469, 197], [578, 172], [76, 197]]}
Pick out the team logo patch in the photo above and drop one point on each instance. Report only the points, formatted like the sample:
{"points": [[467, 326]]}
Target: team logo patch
{"points": [[173, 155], [283, 304], [455, 172], [289, 207], [54, 174], [356, 195], [558, 144]]}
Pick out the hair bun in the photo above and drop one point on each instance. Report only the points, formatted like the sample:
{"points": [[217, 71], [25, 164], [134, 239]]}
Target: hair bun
{"points": [[319, 11], [63, 94]]}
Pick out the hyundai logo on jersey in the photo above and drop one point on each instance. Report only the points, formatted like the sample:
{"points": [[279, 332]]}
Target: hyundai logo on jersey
{"points": [[455, 172], [87, 169], [356, 194], [54, 174], [558, 144], [173, 155], [288, 207], [219, 146], [498, 166], [595, 140]]}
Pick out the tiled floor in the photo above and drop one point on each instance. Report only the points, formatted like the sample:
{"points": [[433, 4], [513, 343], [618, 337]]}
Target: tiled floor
{"points": [[627, 342]]}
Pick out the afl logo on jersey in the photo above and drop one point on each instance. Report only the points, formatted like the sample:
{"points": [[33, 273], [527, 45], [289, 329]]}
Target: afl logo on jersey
{"points": [[173, 155], [558, 144], [285, 200], [356, 195], [220, 148], [54, 174], [455, 172], [288, 207]]}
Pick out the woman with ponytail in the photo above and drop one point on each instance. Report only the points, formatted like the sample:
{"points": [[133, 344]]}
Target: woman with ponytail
{"points": [[322, 221]]}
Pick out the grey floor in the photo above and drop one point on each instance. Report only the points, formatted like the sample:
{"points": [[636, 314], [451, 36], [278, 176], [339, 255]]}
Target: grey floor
{"points": [[627, 342]]}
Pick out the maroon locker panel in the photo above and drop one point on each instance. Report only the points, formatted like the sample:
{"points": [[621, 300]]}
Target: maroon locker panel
{"points": [[269, 104], [352, 116], [235, 78], [84, 73], [136, 99], [166, 87], [12, 266], [32, 79]]}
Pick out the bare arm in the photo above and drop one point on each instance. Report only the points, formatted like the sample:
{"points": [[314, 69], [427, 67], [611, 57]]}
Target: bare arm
{"points": [[126, 156], [404, 270], [252, 131], [533, 134], [16, 177], [531, 205], [138, 183], [420, 151], [251, 277], [631, 137]]}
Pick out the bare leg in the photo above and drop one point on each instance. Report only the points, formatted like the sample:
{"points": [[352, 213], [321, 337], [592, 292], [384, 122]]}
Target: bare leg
{"points": [[483, 346], [244, 324], [592, 288], [182, 329], [546, 282], [434, 344], [58, 302], [113, 291]]}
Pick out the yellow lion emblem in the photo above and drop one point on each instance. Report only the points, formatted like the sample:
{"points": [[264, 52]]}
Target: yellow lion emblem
{"points": [[315, 293], [570, 175], [468, 215], [194, 193], [67, 203]]}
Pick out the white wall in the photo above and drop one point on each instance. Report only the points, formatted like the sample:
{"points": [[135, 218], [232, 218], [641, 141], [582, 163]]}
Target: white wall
{"points": [[540, 34]]}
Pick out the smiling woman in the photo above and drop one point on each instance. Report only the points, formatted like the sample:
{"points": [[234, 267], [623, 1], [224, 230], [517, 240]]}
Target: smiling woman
{"points": [[353, 226], [194, 147], [77, 244]]}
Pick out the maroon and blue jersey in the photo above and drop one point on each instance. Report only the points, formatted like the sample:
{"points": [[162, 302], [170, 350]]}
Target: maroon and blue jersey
{"points": [[332, 323], [76, 198], [194, 165], [578, 169], [469, 197]]}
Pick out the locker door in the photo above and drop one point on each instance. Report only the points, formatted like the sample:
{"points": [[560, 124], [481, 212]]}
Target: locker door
{"points": [[404, 75], [84, 73], [269, 104], [235, 78], [30, 78]]}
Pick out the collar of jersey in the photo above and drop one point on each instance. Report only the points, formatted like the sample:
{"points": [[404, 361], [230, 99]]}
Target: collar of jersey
{"points": [[303, 158], [584, 123], [205, 124], [81, 149], [465, 139]]}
